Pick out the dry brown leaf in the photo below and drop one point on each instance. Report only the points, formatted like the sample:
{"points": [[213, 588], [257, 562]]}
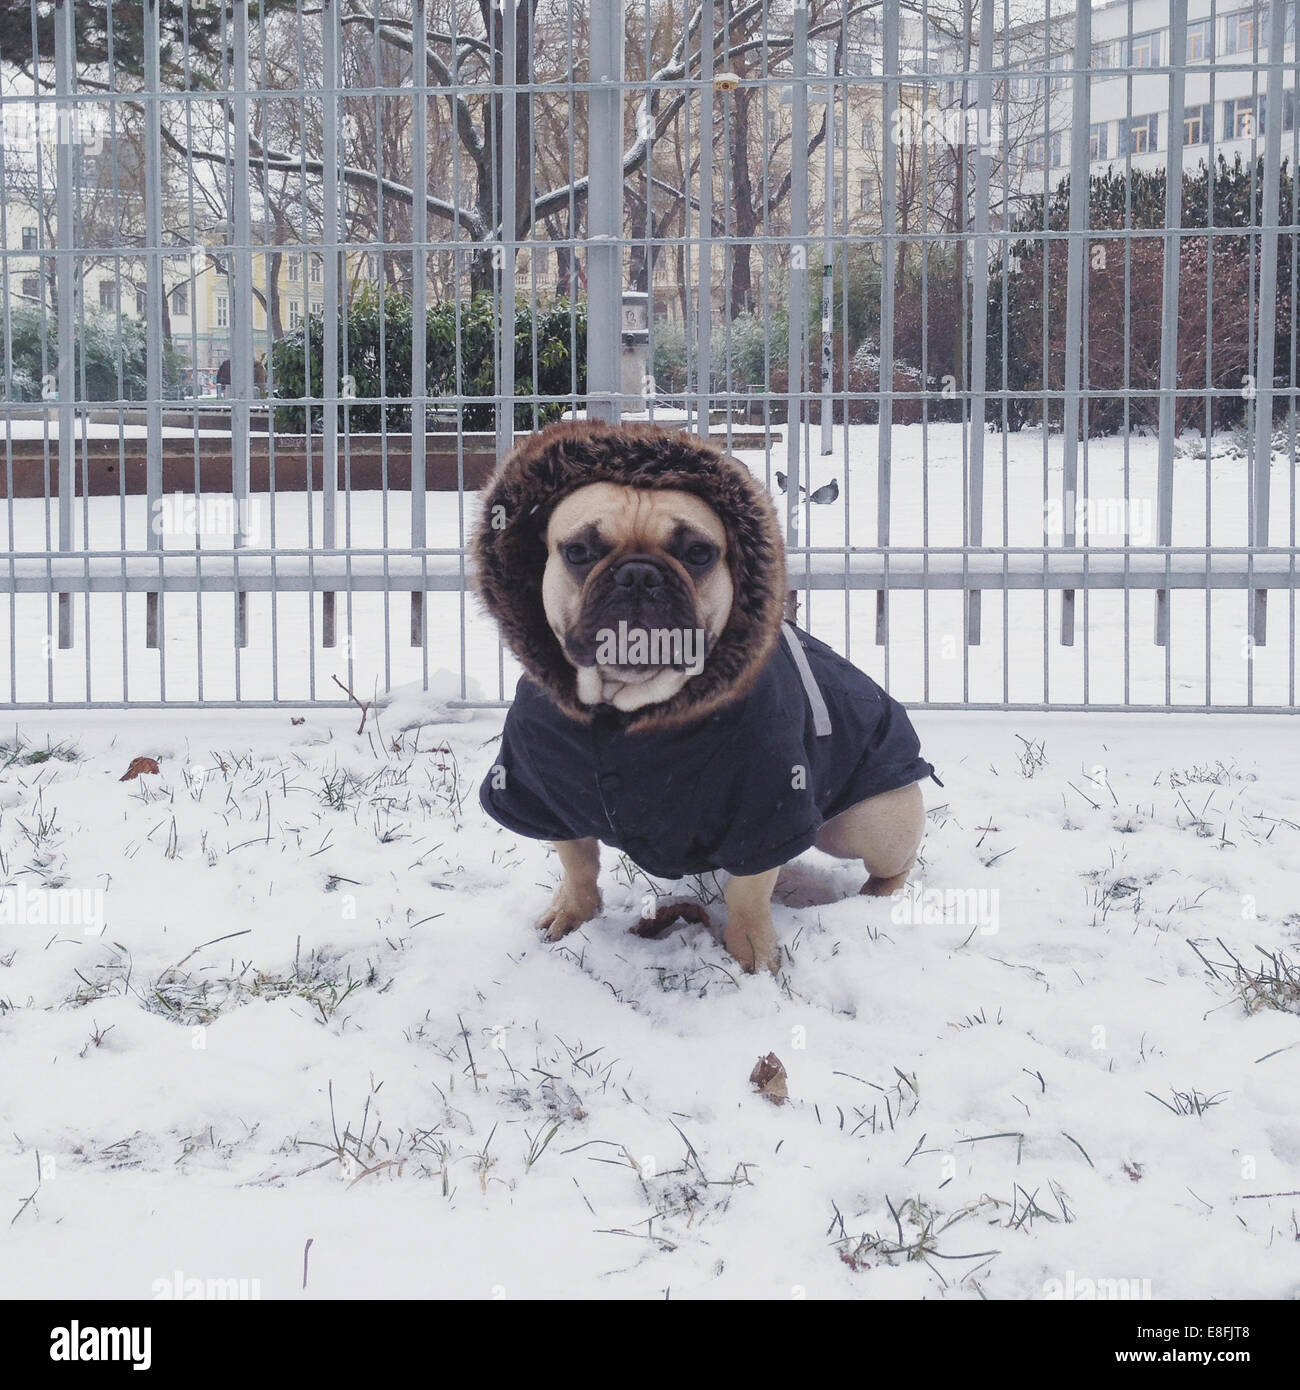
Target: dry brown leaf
{"points": [[138, 765], [769, 1077]]}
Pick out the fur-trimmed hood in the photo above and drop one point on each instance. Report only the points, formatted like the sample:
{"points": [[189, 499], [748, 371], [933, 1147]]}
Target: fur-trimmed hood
{"points": [[509, 551]]}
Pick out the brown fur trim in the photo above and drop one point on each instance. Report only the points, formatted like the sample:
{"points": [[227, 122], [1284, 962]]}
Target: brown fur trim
{"points": [[509, 552]]}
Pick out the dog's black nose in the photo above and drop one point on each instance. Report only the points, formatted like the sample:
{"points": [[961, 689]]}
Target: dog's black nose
{"points": [[638, 574]]}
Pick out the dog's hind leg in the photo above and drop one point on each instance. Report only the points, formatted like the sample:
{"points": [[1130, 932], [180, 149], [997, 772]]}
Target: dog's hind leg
{"points": [[884, 832]]}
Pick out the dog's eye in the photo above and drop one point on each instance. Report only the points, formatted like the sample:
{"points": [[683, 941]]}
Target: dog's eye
{"points": [[698, 554], [578, 554]]}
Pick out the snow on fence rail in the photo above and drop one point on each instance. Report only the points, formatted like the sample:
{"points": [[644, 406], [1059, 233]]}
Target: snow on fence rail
{"points": [[1013, 349]]}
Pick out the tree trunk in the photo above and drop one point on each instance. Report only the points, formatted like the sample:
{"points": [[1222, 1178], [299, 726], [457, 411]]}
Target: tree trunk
{"points": [[273, 321], [637, 260], [746, 215], [482, 274]]}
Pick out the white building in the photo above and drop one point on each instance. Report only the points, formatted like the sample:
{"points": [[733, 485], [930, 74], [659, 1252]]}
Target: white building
{"points": [[1222, 113]]}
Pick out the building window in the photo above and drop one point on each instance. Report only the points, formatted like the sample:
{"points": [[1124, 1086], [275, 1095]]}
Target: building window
{"points": [[141, 304], [1196, 125], [1103, 55], [31, 287], [1288, 108], [317, 272], [1239, 118], [1060, 63], [181, 299], [1200, 40], [295, 314], [1239, 32], [108, 294], [1139, 136], [1098, 140], [223, 311], [1144, 50], [1240, 29], [29, 238], [1288, 25], [293, 269], [1035, 153], [864, 195]]}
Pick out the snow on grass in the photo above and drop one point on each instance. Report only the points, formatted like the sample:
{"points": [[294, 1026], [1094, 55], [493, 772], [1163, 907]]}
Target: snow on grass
{"points": [[308, 1005]]}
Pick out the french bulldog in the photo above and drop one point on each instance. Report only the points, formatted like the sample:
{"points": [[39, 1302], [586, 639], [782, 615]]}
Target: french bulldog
{"points": [[667, 709]]}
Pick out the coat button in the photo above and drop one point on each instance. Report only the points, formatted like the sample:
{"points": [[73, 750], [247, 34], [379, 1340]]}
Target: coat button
{"points": [[610, 781]]}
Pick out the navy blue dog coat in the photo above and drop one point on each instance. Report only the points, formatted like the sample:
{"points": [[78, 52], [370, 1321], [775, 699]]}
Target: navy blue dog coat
{"points": [[744, 790]]}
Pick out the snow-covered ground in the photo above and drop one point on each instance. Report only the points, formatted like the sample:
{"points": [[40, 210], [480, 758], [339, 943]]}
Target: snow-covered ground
{"points": [[280, 1007]]}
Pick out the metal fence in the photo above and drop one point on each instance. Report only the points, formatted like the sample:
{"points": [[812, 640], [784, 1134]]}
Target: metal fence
{"points": [[948, 276]]}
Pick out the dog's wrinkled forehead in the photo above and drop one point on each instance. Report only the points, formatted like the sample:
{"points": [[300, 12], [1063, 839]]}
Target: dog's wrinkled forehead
{"points": [[633, 518]]}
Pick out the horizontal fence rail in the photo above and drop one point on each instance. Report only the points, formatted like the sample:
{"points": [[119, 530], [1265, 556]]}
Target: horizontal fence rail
{"points": [[998, 301]]}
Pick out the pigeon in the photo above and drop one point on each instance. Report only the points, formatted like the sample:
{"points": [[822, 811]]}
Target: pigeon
{"points": [[825, 494]]}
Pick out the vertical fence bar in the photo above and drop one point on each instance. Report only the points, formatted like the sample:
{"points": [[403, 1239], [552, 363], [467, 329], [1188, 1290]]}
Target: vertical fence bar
{"points": [[241, 305], [66, 278], [704, 263], [330, 383], [828, 263], [509, 223], [1076, 268], [798, 326], [893, 134], [605, 212], [1168, 428], [153, 307], [1267, 329], [419, 297], [979, 301]]}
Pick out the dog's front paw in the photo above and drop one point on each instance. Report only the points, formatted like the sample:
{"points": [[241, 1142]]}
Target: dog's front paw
{"points": [[568, 911], [753, 944]]}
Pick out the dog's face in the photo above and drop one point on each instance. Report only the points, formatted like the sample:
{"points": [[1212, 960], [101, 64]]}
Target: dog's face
{"points": [[637, 590]]}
